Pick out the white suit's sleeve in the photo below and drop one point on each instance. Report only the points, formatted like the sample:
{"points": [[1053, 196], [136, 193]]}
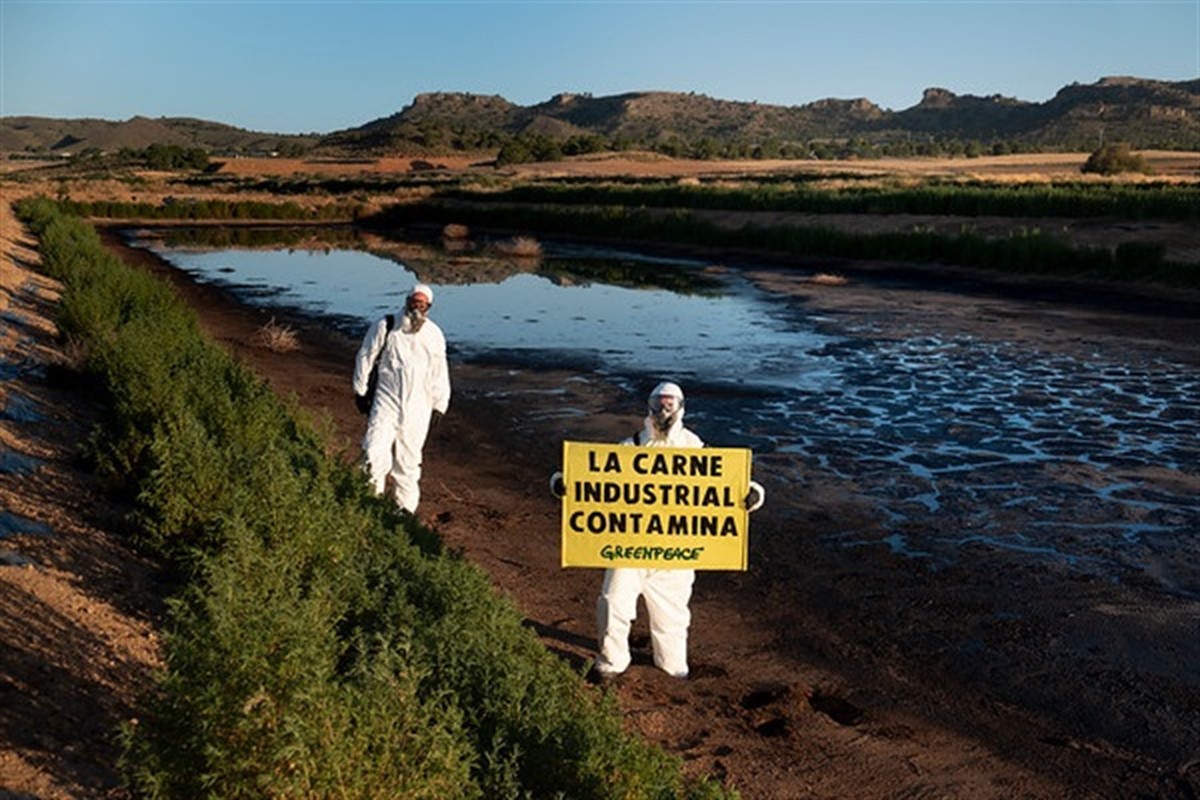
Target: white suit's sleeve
{"points": [[439, 379], [372, 343]]}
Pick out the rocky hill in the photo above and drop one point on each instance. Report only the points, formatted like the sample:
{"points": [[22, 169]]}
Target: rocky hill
{"points": [[1146, 113], [72, 136]]}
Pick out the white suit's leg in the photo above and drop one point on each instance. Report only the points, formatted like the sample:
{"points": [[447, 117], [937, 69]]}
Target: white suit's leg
{"points": [[377, 446], [406, 477], [616, 609], [406, 463], [667, 593]]}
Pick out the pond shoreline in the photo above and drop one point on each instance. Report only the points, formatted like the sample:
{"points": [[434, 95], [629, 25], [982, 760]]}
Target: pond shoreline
{"points": [[812, 645], [1081, 291]]}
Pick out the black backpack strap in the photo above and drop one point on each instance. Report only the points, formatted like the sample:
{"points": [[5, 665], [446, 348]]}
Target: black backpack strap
{"points": [[390, 321], [373, 375]]}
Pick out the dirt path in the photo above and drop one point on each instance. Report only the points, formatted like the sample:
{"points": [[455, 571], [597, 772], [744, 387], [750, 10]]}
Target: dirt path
{"points": [[813, 673], [79, 612]]}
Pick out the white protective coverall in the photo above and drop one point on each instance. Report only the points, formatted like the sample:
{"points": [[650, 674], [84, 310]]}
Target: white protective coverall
{"points": [[667, 591], [413, 382]]}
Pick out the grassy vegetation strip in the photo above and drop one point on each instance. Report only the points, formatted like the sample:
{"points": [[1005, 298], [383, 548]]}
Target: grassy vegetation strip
{"points": [[1133, 201], [321, 644], [1023, 251], [329, 186], [213, 209]]}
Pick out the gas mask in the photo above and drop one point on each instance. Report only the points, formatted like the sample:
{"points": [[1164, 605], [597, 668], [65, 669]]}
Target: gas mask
{"points": [[665, 411], [414, 318]]}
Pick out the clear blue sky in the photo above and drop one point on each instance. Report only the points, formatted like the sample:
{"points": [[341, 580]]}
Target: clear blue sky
{"points": [[287, 66]]}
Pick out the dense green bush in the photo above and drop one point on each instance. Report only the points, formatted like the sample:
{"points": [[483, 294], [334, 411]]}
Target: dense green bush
{"points": [[322, 644], [172, 156]]}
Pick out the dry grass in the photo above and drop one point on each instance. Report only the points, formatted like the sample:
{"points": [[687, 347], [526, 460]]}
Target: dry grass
{"points": [[319, 167], [828, 279], [276, 338], [1182, 167], [521, 247]]}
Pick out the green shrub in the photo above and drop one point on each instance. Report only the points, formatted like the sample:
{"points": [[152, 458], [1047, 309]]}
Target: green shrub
{"points": [[270, 694], [1113, 159], [323, 645]]}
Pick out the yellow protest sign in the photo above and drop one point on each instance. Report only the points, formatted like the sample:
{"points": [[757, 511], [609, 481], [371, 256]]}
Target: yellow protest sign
{"points": [[655, 507]]}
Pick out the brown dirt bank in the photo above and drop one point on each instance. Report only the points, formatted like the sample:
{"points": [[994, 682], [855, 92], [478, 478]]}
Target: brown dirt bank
{"points": [[79, 612], [816, 674]]}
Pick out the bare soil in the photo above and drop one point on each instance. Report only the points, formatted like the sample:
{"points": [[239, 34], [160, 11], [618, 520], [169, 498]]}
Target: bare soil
{"points": [[817, 673], [80, 613]]}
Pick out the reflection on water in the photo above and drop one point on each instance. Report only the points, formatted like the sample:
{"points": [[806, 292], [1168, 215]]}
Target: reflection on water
{"points": [[956, 445], [603, 310]]}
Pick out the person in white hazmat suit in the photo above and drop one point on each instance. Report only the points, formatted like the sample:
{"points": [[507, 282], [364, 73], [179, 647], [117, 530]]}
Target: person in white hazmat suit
{"points": [[667, 592], [412, 392]]}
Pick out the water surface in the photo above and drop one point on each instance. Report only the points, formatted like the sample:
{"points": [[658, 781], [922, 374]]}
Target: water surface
{"points": [[954, 442]]}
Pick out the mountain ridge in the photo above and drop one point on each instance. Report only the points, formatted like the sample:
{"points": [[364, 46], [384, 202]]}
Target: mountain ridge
{"points": [[1144, 112]]}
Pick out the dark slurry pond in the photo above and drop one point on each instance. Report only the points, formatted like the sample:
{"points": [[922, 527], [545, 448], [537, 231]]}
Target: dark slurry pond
{"points": [[947, 442]]}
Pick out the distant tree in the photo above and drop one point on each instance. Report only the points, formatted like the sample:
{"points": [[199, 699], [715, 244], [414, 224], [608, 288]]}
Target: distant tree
{"points": [[674, 147], [768, 149], [157, 156], [794, 150], [514, 151], [469, 138], [583, 144], [172, 156], [1115, 158], [545, 148], [289, 149], [823, 150], [194, 158], [929, 147], [859, 147], [525, 148], [623, 143], [706, 149]]}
